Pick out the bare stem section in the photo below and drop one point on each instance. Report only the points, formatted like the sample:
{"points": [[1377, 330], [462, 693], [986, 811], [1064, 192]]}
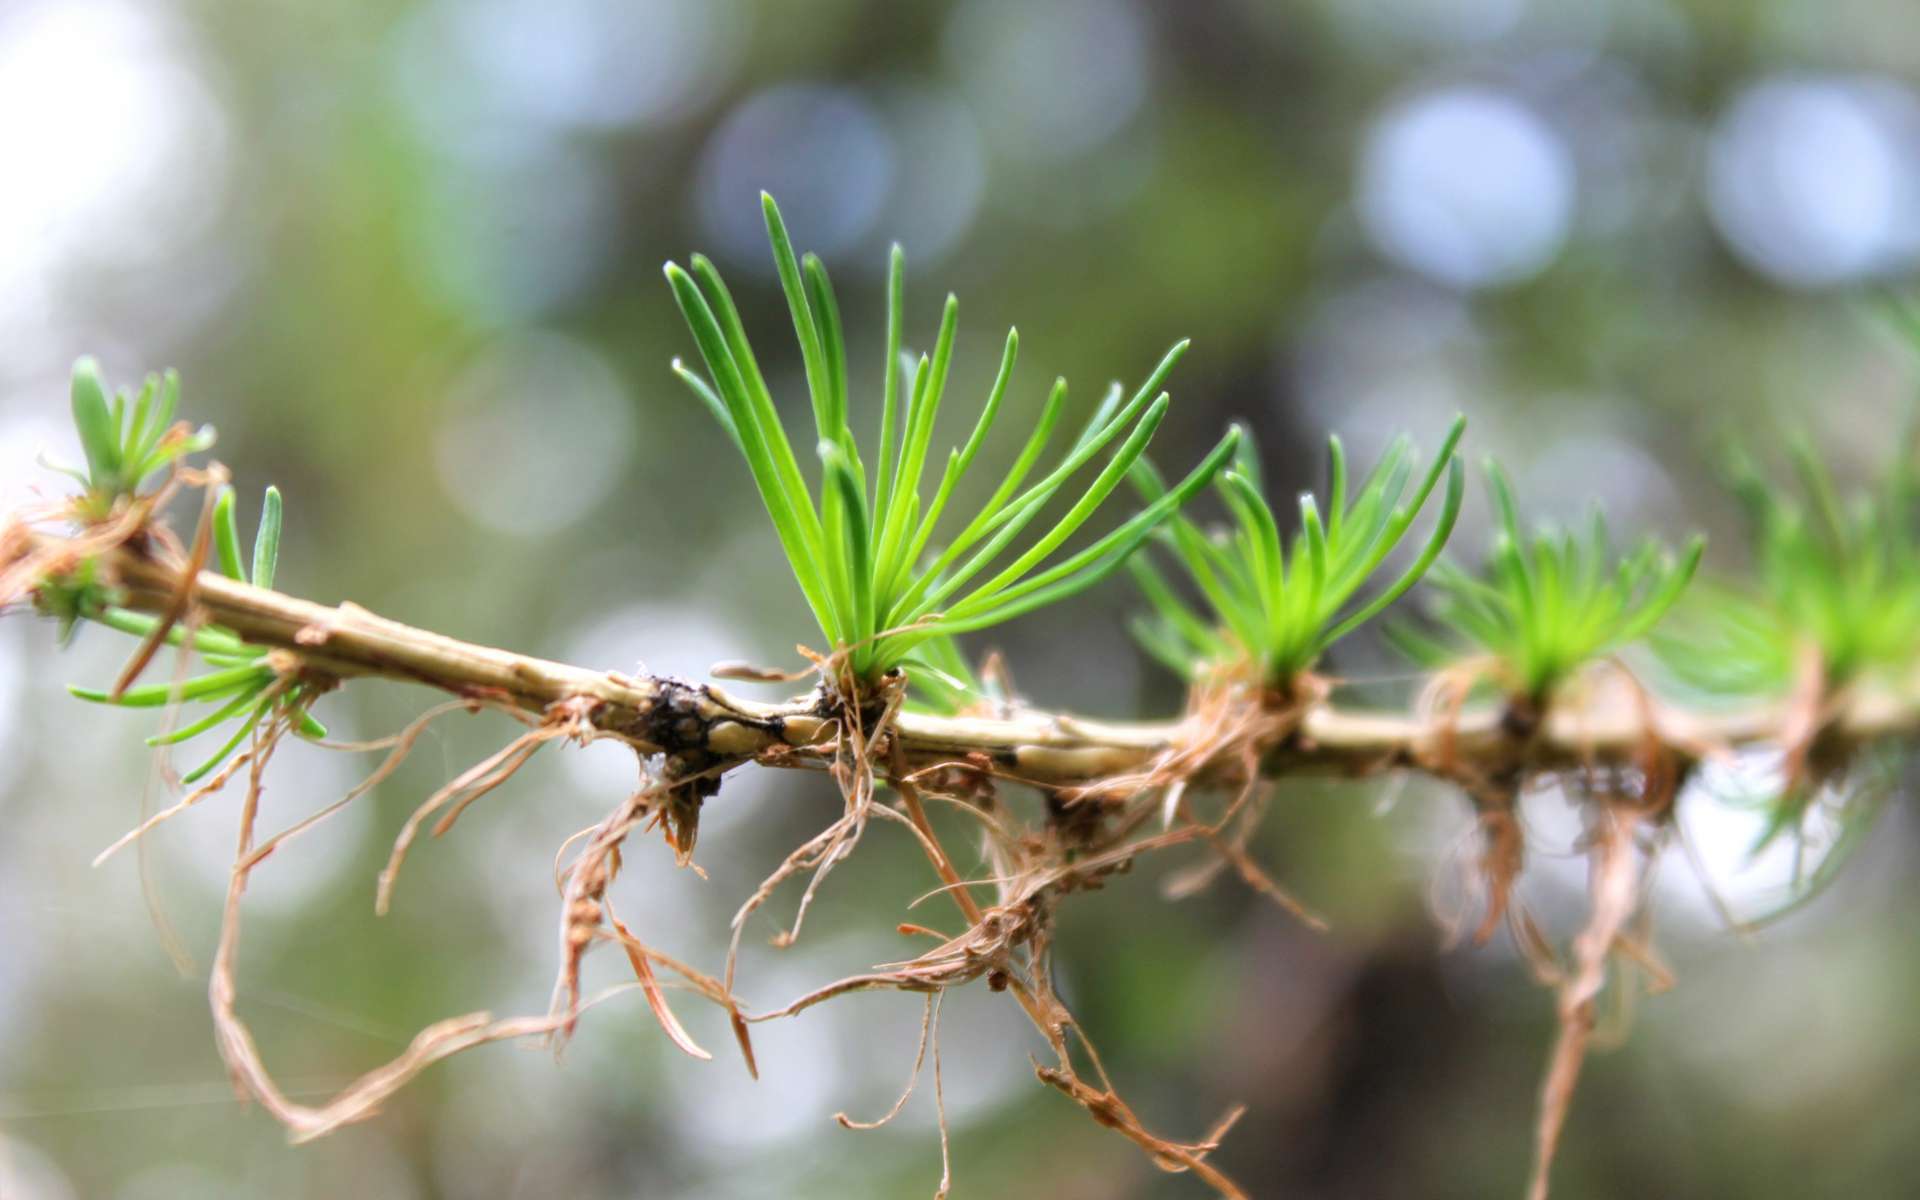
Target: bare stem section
{"points": [[705, 725]]}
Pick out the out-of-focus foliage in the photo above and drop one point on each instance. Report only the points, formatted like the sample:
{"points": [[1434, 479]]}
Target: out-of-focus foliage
{"points": [[1551, 603], [128, 439], [1838, 577]]}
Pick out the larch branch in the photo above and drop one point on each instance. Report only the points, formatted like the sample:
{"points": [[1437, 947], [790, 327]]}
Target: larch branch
{"points": [[668, 715]]}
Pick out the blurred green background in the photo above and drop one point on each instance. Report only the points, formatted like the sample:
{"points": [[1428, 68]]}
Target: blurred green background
{"points": [[406, 257]]}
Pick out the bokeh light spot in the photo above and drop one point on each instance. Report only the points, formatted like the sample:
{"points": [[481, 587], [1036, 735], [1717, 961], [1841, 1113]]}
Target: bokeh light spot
{"points": [[1816, 181], [1055, 80], [507, 236], [941, 171], [28, 1174], [822, 151], [1368, 24], [115, 148], [1467, 186], [466, 68]]}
